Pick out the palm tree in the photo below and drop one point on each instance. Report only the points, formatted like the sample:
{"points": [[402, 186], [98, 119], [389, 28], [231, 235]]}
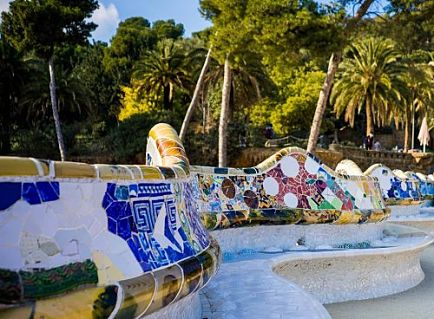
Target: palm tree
{"points": [[335, 60], [370, 78], [240, 79], [224, 114], [162, 70], [419, 96], [195, 97], [73, 98]]}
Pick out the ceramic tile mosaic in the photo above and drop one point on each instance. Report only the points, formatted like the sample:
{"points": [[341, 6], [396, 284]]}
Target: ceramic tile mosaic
{"points": [[397, 187], [79, 240], [291, 187], [93, 241]]}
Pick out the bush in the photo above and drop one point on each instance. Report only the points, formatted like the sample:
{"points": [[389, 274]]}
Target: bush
{"points": [[127, 142]]}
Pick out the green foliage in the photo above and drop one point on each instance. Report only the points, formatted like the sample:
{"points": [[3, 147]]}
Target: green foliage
{"points": [[41, 25], [127, 142], [297, 103], [370, 77], [168, 29], [132, 38], [73, 97], [38, 142], [13, 72], [279, 29], [103, 85], [161, 71], [111, 95]]}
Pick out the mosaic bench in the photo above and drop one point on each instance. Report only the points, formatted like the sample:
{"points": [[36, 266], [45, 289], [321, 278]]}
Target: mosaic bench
{"points": [[409, 195], [291, 187], [402, 192], [99, 241]]}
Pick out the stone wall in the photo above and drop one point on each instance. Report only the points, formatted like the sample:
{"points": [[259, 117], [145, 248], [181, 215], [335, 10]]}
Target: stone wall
{"points": [[418, 162]]}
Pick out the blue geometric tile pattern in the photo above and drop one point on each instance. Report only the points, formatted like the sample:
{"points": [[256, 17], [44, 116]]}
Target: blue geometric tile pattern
{"points": [[145, 215], [32, 193], [11, 192], [397, 191]]}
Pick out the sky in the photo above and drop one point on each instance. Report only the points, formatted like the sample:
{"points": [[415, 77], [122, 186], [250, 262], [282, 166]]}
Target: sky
{"points": [[111, 12]]}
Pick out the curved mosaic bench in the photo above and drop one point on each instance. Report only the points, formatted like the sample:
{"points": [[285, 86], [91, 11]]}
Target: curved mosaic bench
{"points": [[98, 241], [409, 195], [397, 187], [300, 238], [426, 184], [291, 187]]}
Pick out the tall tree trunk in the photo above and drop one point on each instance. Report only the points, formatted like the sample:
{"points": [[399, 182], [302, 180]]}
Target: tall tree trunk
{"points": [[328, 83], [53, 96], [322, 101], [224, 114], [369, 117], [171, 96], [166, 97], [407, 130], [195, 98]]}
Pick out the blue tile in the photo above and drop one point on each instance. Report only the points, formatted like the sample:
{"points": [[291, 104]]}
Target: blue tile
{"points": [[145, 266], [168, 233], [133, 248], [116, 210], [111, 225], [249, 170], [107, 200], [221, 170], [46, 191], [9, 194], [133, 190], [56, 187], [124, 230], [122, 192], [111, 188], [133, 225], [30, 194]]}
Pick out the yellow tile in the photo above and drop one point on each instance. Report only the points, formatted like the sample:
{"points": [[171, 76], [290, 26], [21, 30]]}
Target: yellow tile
{"points": [[74, 170], [139, 293], [150, 172], [16, 312], [110, 172], [108, 273], [18, 166], [73, 305]]}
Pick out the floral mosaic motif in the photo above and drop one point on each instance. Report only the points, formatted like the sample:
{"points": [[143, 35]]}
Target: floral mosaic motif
{"points": [[157, 227], [297, 181], [32, 192], [293, 187]]}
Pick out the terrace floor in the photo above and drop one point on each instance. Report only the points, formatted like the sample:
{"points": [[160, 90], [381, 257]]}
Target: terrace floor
{"points": [[417, 302]]}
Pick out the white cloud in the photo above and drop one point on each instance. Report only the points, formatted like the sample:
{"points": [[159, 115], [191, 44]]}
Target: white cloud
{"points": [[107, 19], [4, 5]]}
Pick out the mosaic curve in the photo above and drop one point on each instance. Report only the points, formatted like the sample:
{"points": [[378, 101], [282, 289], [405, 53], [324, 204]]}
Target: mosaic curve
{"points": [[426, 185], [397, 187], [291, 186], [98, 241]]}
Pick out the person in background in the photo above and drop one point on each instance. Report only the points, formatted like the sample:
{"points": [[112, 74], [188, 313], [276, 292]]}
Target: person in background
{"points": [[269, 132], [369, 141], [377, 145]]}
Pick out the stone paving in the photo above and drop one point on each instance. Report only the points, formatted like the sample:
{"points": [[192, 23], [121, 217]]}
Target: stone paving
{"points": [[250, 289]]}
